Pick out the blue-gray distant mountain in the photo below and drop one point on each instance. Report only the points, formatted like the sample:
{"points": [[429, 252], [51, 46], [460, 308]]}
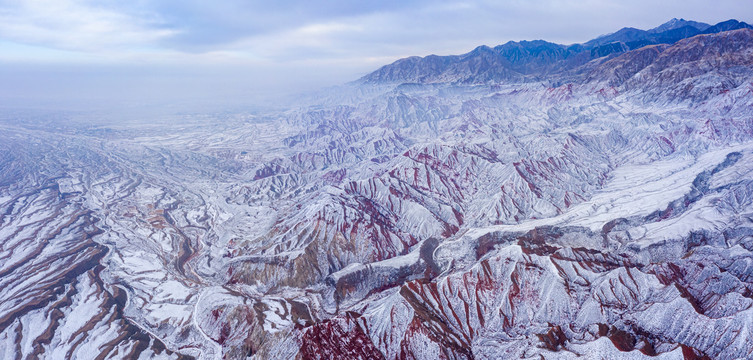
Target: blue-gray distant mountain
{"points": [[538, 59], [727, 26], [679, 23]]}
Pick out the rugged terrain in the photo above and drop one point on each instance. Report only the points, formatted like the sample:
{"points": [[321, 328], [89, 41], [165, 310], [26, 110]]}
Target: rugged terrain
{"points": [[530, 200]]}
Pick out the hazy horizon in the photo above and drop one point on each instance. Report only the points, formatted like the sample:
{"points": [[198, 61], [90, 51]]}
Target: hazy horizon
{"points": [[76, 54]]}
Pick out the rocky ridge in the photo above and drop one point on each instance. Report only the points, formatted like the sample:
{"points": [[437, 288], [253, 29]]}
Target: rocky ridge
{"points": [[498, 207]]}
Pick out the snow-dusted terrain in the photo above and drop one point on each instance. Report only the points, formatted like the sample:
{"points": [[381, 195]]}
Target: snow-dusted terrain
{"points": [[526, 201]]}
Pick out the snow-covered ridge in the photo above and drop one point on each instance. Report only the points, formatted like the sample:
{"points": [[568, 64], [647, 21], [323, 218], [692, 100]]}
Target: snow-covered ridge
{"points": [[606, 214]]}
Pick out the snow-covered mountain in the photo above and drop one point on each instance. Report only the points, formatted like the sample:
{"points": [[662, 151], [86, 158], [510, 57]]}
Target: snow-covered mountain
{"points": [[537, 61], [530, 200]]}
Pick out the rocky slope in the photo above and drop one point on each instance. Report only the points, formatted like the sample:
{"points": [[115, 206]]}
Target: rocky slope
{"points": [[523, 201]]}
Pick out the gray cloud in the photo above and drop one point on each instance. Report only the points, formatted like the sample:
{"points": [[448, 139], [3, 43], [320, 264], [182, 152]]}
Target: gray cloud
{"points": [[295, 29], [203, 26]]}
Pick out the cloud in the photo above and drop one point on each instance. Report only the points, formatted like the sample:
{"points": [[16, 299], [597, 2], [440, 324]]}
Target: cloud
{"points": [[289, 30], [77, 25], [206, 25]]}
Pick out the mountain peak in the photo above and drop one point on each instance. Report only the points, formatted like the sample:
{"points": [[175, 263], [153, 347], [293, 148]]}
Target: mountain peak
{"points": [[676, 23], [730, 24]]}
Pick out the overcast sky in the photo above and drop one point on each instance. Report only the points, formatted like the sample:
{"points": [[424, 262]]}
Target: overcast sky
{"points": [[54, 50]]}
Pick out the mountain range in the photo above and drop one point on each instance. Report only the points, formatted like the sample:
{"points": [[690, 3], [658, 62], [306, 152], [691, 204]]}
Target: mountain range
{"points": [[538, 60], [531, 200]]}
